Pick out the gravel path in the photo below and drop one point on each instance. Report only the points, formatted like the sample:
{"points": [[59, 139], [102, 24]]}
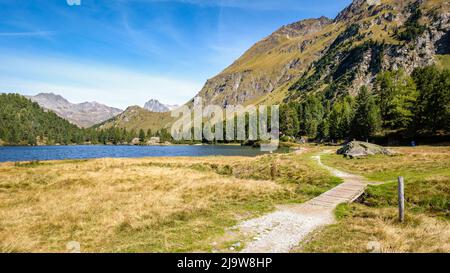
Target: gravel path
{"points": [[283, 229]]}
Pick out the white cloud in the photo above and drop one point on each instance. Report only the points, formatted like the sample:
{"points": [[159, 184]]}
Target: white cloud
{"points": [[73, 2], [85, 81]]}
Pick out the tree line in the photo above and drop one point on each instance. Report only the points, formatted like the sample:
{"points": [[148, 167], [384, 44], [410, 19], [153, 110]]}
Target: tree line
{"points": [[407, 105]]}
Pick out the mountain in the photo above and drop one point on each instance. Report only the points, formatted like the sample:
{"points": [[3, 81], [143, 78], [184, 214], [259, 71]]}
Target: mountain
{"points": [[377, 36], [333, 57], [25, 122], [84, 114], [155, 106], [336, 56], [136, 118], [269, 64]]}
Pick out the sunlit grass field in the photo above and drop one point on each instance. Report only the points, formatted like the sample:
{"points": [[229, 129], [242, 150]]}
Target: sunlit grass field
{"points": [[145, 205], [374, 218], [185, 204]]}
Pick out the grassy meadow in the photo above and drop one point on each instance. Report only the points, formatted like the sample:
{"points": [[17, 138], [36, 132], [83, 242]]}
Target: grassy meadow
{"points": [[146, 205], [189, 204], [374, 218]]}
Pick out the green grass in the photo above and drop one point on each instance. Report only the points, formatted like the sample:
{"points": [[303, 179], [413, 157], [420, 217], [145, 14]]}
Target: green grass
{"points": [[426, 174], [375, 216], [30, 164], [443, 61], [342, 211], [430, 196], [359, 227]]}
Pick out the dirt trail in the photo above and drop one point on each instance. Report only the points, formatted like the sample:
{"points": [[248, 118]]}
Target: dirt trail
{"points": [[284, 228]]}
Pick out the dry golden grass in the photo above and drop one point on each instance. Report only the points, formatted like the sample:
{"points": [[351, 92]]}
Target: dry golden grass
{"points": [[141, 205], [101, 203]]}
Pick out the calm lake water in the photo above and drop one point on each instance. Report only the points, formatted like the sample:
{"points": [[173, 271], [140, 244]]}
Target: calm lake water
{"points": [[28, 153]]}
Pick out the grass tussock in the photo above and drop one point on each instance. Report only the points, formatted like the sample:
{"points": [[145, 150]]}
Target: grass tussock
{"points": [[143, 205]]}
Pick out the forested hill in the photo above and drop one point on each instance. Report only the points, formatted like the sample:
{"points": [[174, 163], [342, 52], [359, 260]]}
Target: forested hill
{"points": [[25, 122]]}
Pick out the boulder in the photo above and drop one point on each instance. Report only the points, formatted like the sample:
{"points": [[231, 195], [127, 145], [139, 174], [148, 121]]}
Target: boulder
{"points": [[135, 141], [360, 149], [154, 141]]}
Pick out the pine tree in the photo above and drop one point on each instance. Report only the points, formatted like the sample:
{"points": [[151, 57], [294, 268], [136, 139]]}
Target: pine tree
{"points": [[312, 116], [432, 111], [141, 135], [396, 96], [367, 115], [289, 124]]}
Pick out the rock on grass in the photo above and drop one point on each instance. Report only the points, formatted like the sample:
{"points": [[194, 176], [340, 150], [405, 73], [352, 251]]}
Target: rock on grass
{"points": [[360, 149]]}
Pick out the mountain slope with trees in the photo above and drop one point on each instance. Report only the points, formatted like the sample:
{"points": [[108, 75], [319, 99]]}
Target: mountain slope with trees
{"points": [[336, 57], [23, 122]]}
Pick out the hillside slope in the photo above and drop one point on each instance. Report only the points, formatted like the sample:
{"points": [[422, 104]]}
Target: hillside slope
{"points": [[269, 64], [387, 35], [335, 56], [136, 118]]}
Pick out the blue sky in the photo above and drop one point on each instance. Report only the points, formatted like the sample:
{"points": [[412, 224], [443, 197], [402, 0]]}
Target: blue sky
{"points": [[125, 52]]}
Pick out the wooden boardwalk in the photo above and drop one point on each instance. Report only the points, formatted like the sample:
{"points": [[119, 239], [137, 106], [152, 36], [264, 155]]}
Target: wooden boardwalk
{"points": [[347, 192], [285, 228]]}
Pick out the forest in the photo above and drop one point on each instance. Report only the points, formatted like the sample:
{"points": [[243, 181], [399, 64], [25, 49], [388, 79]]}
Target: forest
{"points": [[407, 106]]}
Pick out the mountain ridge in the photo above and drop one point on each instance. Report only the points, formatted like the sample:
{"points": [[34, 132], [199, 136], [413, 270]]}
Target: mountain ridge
{"points": [[153, 105], [334, 57], [84, 115], [268, 70]]}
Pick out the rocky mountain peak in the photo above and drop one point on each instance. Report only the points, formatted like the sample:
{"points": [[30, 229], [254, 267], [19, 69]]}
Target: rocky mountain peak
{"points": [[303, 27], [333, 57], [51, 98], [156, 106], [84, 114], [356, 8]]}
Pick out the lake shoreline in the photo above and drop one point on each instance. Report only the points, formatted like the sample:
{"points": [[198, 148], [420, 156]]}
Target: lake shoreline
{"points": [[122, 144], [76, 152]]}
